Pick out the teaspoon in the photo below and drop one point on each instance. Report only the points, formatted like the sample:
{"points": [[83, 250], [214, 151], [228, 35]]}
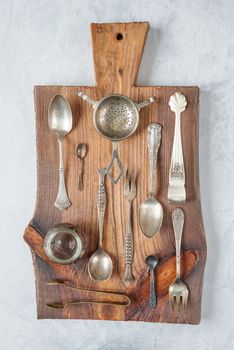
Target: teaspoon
{"points": [[81, 151], [60, 123], [100, 264], [152, 262], [150, 211]]}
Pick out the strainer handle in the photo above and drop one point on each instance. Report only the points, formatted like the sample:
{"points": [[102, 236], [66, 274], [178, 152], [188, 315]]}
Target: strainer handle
{"points": [[145, 102], [86, 98], [115, 158]]}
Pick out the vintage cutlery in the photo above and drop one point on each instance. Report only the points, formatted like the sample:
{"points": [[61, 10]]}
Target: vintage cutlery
{"points": [[176, 188], [150, 211], [64, 244], [100, 264], [130, 195], [60, 123], [152, 262], [178, 291], [81, 151], [125, 298], [115, 117]]}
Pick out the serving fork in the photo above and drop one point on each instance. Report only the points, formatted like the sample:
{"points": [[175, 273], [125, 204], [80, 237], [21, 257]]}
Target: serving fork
{"points": [[130, 195], [178, 291]]}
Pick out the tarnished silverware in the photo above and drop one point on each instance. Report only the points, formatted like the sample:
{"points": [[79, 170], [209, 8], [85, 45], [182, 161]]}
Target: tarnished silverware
{"points": [[178, 291], [60, 123], [81, 151], [100, 264], [130, 195], [176, 188], [123, 299], [150, 211], [115, 117], [152, 262]]}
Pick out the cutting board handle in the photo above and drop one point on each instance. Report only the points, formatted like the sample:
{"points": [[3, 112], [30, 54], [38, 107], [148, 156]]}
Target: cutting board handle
{"points": [[117, 52]]}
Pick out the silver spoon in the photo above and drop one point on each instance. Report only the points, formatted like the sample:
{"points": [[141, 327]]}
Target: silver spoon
{"points": [[100, 264], [60, 123], [150, 211], [152, 262], [81, 151]]}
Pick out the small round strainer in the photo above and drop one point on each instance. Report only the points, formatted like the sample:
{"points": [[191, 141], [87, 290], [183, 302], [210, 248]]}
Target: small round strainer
{"points": [[116, 117]]}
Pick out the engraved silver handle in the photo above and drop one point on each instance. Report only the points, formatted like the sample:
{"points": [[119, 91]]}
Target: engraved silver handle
{"points": [[152, 300], [154, 139], [101, 203], [128, 278], [176, 189], [62, 201], [178, 224]]}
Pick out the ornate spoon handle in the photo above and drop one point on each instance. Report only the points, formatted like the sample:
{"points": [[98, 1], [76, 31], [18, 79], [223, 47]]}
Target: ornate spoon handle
{"points": [[176, 189], [178, 224], [128, 278], [101, 203], [62, 201], [154, 139]]}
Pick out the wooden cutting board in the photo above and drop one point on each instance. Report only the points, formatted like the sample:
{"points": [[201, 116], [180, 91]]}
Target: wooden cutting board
{"points": [[117, 50]]}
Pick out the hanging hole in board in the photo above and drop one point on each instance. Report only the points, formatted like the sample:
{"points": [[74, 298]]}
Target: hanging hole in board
{"points": [[119, 36]]}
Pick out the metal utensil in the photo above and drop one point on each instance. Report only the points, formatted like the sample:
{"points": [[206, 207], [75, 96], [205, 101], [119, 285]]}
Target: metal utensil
{"points": [[60, 123], [100, 264], [150, 211], [178, 291], [152, 262], [115, 117], [130, 195], [125, 298], [176, 188], [81, 151]]}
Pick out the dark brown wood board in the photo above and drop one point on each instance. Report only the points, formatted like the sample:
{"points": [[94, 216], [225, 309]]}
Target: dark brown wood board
{"points": [[116, 65]]}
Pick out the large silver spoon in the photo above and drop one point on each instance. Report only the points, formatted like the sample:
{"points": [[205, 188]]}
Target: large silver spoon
{"points": [[60, 123], [150, 211], [100, 264]]}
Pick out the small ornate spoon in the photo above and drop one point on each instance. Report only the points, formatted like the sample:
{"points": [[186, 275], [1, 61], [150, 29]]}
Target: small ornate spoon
{"points": [[81, 152]]}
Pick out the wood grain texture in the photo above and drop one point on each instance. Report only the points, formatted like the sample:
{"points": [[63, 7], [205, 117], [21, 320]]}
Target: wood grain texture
{"points": [[116, 67]]}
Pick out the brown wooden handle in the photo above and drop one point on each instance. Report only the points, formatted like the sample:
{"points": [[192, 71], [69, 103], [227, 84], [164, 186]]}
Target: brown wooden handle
{"points": [[117, 52]]}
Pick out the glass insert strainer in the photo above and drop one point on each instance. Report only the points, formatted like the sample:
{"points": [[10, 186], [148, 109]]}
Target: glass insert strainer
{"points": [[115, 117]]}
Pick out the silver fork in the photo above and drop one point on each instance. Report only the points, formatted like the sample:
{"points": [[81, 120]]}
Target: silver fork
{"points": [[178, 291], [130, 195]]}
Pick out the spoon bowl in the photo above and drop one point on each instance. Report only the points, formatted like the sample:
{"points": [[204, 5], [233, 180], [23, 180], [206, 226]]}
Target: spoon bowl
{"points": [[152, 261], [60, 116], [100, 265], [150, 216]]}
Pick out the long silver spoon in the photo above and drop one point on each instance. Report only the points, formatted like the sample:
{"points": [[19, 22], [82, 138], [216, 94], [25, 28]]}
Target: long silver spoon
{"points": [[100, 264], [150, 211], [60, 123], [152, 262], [81, 151]]}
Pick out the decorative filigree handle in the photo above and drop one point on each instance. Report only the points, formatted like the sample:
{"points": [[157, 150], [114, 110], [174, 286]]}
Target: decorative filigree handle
{"points": [[62, 201], [176, 189], [115, 158], [178, 224], [101, 202], [128, 278], [154, 139]]}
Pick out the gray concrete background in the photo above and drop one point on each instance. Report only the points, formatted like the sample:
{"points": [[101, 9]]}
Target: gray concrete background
{"points": [[48, 42]]}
